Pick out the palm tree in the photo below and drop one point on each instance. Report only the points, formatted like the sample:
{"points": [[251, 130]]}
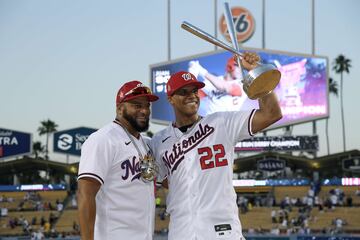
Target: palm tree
{"points": [[333, 89], [47, 127], [341, 65], [38, 148]]}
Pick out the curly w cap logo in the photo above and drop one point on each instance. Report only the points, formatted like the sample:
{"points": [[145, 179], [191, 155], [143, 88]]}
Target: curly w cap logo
{"points": [[186, 76], [140, 85]]}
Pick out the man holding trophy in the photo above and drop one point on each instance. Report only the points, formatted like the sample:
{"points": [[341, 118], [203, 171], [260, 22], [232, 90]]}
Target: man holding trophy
{"points": [[196, 155], [116, 173]]}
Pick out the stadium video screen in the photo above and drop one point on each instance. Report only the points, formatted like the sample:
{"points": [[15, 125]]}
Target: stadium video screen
{"points": [[302, 91]]}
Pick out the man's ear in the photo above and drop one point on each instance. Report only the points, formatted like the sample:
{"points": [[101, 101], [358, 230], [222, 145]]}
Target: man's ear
{"points": [[170, 100], [119, 108]]}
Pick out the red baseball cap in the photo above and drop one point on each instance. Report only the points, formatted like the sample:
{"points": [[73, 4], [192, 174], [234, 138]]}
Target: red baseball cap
{"points": [[134, 89], [182, 79]]}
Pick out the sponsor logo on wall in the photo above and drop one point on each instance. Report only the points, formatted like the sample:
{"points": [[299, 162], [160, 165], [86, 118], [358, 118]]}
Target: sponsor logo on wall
{"points": [[70, 141], [270, 164], [14, 143]]}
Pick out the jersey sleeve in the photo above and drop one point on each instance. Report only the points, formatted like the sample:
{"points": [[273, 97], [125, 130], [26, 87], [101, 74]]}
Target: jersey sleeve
{"points": [[96, 159], [238, 124], [163, 172]]}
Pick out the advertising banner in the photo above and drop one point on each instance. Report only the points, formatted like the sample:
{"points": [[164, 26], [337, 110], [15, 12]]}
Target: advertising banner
{"points": [[244, 24], [270, 164], [14, 143], [351, 164], [280, 143], [70, 141]]}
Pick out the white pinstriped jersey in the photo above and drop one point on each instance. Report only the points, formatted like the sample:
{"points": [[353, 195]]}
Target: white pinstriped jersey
{"points": [[199, 167], [125, 205]]}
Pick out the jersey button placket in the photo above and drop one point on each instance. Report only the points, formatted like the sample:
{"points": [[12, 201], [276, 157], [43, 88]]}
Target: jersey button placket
{"points": [[195, 202], [193, 189], [191, 198]]}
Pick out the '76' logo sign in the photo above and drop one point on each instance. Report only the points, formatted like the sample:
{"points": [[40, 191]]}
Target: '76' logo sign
{"points": [[244, 24]]}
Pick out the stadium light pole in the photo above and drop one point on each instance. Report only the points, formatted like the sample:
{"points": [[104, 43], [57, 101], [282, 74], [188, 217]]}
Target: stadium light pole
{"points": [[263, 24], [315, 173], [313, 52], [263, 35], [169, 29], [215, 21]]}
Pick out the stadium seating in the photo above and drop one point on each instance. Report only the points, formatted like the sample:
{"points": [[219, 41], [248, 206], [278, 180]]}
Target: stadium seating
{"points": [[255, 217], [17, 197], [281, 192], [53, 195], [348, 191], [161, 224], [257, 189], [28, 215], [260, 217], [66, 221]]}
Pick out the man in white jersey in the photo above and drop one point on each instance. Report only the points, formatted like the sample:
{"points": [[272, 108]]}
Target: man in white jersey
{"points": [[196, 155], [220, 93], [114, 203]]}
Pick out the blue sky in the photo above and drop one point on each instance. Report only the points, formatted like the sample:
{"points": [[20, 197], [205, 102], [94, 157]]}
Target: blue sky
{"points": [[65, 60]]}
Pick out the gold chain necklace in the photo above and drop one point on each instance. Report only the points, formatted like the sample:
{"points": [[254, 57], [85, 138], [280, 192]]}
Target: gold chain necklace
{"points": [[148, 167]]}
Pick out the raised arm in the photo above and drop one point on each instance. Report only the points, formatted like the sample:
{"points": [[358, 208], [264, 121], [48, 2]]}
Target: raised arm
{"points": [[87, 190], [218, 82], [269, 110], [221, 84], [268, 113]]}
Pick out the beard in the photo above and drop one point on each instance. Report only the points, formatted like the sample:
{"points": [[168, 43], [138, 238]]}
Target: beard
{"points": [[134, 124]]}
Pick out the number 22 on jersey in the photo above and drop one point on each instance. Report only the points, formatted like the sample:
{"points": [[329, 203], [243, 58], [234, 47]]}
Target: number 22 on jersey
{"points": [[211, 157]]}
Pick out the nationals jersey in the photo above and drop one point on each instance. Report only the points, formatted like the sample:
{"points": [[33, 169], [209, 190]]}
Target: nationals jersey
{"points": [[125, 205], [199, 167], [218, 100]]}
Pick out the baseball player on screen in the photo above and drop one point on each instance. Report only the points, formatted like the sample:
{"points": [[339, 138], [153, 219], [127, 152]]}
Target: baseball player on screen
{"points": [[221, 93], [196, 156], [114, 203]]}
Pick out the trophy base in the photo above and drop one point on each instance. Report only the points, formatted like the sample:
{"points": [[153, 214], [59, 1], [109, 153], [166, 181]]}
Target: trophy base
{"points": [[261, 81]]}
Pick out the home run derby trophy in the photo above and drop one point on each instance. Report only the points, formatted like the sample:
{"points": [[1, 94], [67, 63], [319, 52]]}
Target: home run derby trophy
{"points": [[258, 82]]}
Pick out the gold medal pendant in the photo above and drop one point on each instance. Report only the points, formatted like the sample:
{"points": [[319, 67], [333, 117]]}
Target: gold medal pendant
{"points": [[148, 168]]}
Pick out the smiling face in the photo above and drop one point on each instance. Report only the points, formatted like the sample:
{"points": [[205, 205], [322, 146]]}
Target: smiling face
{"points": [[185, 101], [136, 112]]}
